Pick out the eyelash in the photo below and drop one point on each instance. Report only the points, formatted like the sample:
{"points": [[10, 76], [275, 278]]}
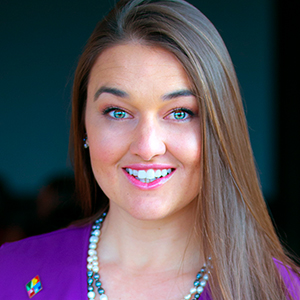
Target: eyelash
{"points": [[110, 109], [184, 110]]}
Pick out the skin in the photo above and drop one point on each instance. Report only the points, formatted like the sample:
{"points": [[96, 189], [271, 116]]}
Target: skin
{"points": [[134, 116]]}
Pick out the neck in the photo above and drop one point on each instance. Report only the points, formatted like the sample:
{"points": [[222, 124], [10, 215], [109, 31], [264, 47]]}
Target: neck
{"points": [[150, 245]]}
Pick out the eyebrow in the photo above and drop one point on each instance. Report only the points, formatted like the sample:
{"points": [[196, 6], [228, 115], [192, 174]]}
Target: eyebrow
{"points": [[177, 94], [122, 94], [110, 90]]}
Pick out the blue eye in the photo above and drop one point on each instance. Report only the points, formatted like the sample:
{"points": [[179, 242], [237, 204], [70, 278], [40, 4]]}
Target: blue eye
{"points": [[116, 113], [181, 114]]}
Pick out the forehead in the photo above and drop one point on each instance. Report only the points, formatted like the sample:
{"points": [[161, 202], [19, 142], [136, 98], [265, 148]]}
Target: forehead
{"points": [[134, 62]]}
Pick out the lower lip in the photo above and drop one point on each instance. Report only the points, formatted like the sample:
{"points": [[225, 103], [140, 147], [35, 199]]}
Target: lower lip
{"points": [[151, 185]]}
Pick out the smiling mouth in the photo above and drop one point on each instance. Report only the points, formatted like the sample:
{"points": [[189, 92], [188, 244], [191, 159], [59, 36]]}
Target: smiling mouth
{"points": [[150, 175]]}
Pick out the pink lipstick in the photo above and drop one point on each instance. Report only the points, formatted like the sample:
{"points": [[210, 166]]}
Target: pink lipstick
{"points": [[145, 176]]}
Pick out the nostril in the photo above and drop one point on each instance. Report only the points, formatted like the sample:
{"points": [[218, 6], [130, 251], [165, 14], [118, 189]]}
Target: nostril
{"points": [[148, 149]]}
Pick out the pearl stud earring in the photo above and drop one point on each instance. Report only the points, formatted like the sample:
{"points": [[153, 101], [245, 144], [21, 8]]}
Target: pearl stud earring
{"points": [[86, 142]]}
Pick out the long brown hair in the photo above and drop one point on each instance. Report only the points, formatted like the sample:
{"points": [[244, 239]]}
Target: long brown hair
{"points": [[235, 228]]}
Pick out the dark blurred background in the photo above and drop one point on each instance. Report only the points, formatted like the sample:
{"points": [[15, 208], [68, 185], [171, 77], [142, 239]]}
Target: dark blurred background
{"points": [[40, 45]]}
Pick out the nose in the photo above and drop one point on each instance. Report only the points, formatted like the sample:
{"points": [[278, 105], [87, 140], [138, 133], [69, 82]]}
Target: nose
{"points": [[148, 140]]}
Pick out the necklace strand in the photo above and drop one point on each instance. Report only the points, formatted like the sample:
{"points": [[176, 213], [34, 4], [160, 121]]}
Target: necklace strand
{"points": [[93, 277]]}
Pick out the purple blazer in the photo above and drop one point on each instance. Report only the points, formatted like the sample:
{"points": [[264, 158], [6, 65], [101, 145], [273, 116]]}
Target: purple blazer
{"points": [[59, 259]]}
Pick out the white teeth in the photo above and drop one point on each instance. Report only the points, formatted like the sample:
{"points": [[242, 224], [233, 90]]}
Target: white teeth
{"points": [[157, 173], [142, 174], [146, 180], [147, 176], [150, 174]]}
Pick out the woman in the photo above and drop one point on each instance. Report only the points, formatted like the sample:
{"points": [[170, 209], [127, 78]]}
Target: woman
{"points": [[158, 126]]}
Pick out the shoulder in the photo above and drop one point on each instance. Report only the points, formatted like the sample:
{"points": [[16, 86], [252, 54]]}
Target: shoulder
{"points": [[53, 257], [290, 278], [55, 242]]}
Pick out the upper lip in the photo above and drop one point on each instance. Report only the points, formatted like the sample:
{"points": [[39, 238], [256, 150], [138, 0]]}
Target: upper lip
{"points": [[148, 166]]}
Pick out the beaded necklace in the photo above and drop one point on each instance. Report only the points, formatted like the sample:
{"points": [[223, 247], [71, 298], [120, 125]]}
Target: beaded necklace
{"points": [[93, 277]]}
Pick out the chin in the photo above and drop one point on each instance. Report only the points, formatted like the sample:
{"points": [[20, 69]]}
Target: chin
{"points": [[157, 208], [153, 212]]}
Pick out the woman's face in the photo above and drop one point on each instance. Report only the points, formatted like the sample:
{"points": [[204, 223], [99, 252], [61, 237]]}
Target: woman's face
{"points": [[143, 129]]}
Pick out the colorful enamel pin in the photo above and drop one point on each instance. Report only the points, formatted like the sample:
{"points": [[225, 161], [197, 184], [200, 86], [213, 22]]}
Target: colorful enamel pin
{"points": [[34, 286]]}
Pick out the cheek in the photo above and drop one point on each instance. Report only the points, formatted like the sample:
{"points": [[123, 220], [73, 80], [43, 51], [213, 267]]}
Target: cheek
{"points": [[104, 150], [187, 148]]}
